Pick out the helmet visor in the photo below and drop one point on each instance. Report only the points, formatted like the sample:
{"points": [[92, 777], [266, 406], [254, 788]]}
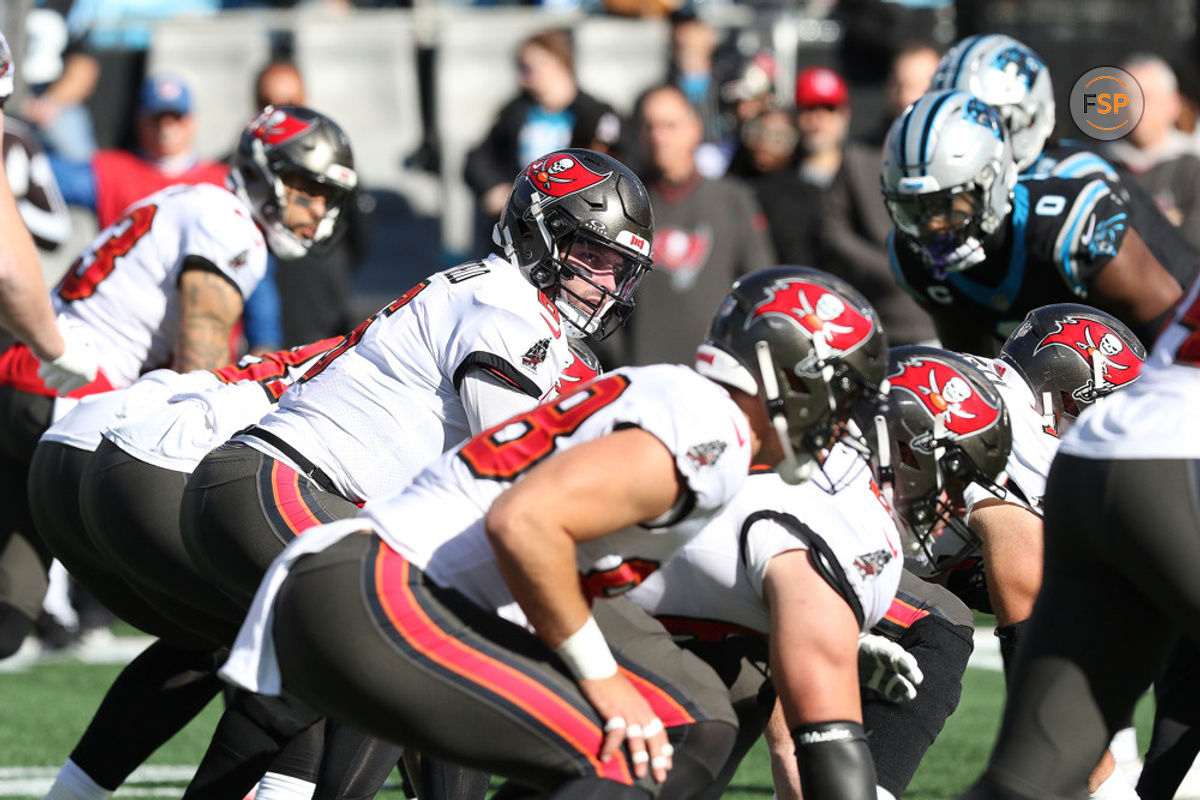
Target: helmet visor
{"points": [[924, 216], [599, 280]]}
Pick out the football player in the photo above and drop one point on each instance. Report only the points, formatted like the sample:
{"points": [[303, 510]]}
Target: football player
{"points": [[154, 432], [460, 351], [813, 568], [1122, 549], [1060, 360], [1009, 76], [420, 610], [25, 309], [980, 249], [163, 286]]}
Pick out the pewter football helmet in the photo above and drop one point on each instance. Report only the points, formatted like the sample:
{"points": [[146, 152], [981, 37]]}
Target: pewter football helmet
{"points": [[808, 345], [1071, 355], [948, 427], [294, 142]]}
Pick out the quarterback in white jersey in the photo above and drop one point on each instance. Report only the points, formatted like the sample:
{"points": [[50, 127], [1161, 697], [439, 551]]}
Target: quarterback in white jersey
{"points": [[417, 378], [1119, 586], [490, 556], [454, 355]]}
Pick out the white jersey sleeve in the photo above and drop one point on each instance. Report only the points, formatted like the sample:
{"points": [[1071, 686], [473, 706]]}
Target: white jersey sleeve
{"points": [[714, 586], [124, 288], [218, 236], [1033, 442], [499, 332]]}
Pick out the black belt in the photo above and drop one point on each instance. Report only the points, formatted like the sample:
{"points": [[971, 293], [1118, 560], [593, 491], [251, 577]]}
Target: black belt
{"points": [[311, 470]]}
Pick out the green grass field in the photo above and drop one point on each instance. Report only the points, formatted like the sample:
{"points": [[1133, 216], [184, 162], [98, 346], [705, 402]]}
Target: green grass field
{"points": [[45, 707]]}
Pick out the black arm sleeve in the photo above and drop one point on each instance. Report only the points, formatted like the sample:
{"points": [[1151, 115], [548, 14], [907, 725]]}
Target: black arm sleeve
{"points": [[834, 761]]}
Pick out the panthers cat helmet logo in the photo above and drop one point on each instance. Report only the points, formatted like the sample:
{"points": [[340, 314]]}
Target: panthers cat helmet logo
{"points": [[560, 174], [820, 313], [1107, 355], [945, 393]]}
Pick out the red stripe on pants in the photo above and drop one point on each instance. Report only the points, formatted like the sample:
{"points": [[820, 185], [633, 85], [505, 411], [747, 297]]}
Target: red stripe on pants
{"points": [[403, 609]]}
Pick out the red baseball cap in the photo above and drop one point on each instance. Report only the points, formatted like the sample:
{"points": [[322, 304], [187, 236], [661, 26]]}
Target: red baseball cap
{"points": [[819, 86]]}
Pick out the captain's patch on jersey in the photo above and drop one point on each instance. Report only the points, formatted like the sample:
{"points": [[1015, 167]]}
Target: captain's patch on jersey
{"points": [[536, 354], [706, 454], [869, 564]]}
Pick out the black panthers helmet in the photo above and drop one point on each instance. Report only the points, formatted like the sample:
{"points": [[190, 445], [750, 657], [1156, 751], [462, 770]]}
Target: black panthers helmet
{"points": [[805, 342], [948, 427], [1071, 355], [287, 141], [577, 214]]}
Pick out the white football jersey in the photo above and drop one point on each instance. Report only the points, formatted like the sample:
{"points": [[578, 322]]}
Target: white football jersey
{"points": [[713, 587], [177, 434], [124, 288], [81, 427], [437, 522], [386, 402], [1034, 443], [1155, 417], [172, 419]]}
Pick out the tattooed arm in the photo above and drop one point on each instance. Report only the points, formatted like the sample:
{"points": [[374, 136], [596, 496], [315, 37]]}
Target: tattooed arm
{"points": [[209, 308]]}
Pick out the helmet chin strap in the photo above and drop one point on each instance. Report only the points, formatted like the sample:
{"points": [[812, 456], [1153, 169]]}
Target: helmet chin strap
{"points": [[1048, 420], [792, 468], [939, 450]]}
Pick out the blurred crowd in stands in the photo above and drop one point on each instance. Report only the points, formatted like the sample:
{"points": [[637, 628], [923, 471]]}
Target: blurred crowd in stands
{"points": [[744, 171]]}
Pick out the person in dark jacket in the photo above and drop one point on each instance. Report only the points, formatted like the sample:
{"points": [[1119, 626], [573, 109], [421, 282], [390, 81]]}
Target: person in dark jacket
{"points": [[550, 113]]}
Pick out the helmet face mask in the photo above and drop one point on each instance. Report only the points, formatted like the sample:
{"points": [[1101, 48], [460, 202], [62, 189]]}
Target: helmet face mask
{"points": [[1071, 356], [947, 179], [809, 346], [947, 427], [946, 224], [286, 155], [579, 225]]}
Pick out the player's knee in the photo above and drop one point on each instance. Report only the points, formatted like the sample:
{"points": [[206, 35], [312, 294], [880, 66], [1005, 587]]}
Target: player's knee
{"points": [[14, 627], [701, 750], [942, 650], [282, 718], [1010, 637]]}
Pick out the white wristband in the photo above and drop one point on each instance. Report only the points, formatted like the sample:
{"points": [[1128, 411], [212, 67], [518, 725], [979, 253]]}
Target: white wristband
{"points": [[586, 653]]}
